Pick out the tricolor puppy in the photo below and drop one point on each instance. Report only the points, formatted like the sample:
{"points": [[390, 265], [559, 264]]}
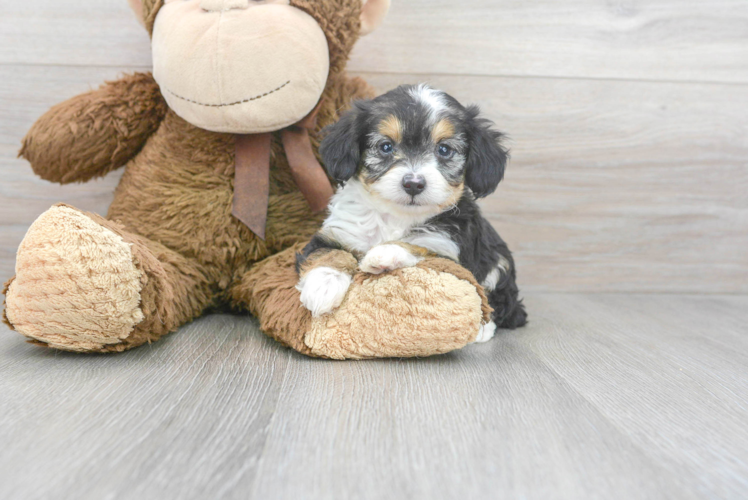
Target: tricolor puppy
{"points": [[411, 164]]}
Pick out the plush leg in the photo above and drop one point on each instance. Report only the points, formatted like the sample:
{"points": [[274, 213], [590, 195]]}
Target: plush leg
{"points": [[268, 291], [432, 308], [85, 284]]}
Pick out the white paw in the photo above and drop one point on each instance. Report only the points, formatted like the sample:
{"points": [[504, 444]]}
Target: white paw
{"points": [[486, 332], [322, 289], [387, 258]]}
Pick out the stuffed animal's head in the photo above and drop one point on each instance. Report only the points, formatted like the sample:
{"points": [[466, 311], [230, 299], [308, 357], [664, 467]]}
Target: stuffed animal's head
{"points": [[251, 66]]}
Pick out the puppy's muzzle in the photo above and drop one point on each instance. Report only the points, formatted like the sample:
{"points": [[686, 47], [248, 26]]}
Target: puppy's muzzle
{"points": [[414, 184]]}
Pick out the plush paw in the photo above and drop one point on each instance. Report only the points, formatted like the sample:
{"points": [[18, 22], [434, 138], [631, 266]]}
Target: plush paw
{"points": [[384, 258], [77, 286], [323, 289], [486, 332]]}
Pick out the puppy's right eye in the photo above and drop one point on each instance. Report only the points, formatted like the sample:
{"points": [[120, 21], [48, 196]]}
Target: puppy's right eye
{"points": [[445, 151], [386, 148]]}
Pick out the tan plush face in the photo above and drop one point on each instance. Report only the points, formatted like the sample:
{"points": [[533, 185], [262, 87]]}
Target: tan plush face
{"points": [[239, 66]]}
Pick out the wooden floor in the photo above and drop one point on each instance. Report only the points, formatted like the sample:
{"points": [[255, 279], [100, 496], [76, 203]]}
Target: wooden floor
{"points": [[601, 396]]}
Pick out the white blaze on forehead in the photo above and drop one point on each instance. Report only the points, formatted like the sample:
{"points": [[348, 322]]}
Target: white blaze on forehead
{"points": [[432, 99]]}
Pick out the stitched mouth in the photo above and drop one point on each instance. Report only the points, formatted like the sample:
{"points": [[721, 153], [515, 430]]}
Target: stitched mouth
{"points": [[208, 105]]}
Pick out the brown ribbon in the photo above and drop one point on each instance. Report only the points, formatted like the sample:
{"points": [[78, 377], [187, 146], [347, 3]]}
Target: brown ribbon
{"points": [[252, 173], [252, 181]]}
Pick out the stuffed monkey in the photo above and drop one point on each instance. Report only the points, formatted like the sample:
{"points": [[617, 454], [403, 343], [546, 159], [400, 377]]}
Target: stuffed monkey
{"points": [[221, 188]]}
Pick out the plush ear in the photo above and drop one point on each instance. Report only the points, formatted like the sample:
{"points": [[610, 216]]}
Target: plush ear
{"points": [[145, 11], [372, 14], [486, 158], [341, 147], [137, 8]]}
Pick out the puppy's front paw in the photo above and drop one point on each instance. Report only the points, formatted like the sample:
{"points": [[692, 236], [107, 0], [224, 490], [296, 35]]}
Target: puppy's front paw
{"points": [[323, 289], [387, 258], [486, 332]]}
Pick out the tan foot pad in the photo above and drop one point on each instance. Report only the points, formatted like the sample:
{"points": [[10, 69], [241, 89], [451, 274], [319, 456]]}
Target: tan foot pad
{"points": [[76, 287], [400, 314]]}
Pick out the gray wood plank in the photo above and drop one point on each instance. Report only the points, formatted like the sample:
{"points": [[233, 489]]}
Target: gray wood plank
{"points": [[10, 237], [580, 404], [615, 186], [684, 40], [186, 417], [104, 33], [490, 422], [23, 196], [671, 372], [601, 396], [661, 39]]}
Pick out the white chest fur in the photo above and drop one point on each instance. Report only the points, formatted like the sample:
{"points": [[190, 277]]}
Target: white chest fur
{"points": [[359, 221]]}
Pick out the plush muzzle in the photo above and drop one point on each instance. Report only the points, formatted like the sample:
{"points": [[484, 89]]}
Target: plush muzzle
{"points": [[238, 66]]}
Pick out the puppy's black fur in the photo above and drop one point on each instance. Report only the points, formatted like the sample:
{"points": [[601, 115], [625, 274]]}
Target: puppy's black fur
{"points": [[318, 242], [341, 149], [353, 152], [481, 248], [486, 158]]}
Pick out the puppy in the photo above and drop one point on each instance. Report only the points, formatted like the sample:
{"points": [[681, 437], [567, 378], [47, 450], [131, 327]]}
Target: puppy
{"points": [[410, 165]]}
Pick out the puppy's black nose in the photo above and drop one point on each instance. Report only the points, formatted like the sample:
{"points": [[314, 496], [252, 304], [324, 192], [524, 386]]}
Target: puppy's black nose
{"points": [[414, 184]]}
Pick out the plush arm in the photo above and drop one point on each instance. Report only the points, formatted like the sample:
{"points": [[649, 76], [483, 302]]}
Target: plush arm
{"points": [[94, 133]]}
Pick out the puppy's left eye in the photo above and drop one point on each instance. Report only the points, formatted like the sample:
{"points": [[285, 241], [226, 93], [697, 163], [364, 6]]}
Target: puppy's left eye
{"points": [[445, 151]]}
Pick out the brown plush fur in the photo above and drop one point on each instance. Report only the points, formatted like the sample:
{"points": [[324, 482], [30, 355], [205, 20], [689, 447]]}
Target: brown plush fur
{"points": [[173, 204], [78, 287], [149, 10], [336, 259], [6, 287], [268, 292], [339, 20], [174, 289], [94, 133], [179, 190], [413, 311]]}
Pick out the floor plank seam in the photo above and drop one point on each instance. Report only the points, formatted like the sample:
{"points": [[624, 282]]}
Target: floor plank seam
{"points": [[551, 77], [281, 389]]}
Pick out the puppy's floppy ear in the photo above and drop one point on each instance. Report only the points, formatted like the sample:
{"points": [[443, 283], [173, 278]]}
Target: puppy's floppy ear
{"points": [[486, 158], [341, 146]]}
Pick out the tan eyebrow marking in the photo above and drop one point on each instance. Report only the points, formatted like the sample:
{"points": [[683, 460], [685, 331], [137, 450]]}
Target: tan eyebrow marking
{"points": [[442, 130], [392, 128]]}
